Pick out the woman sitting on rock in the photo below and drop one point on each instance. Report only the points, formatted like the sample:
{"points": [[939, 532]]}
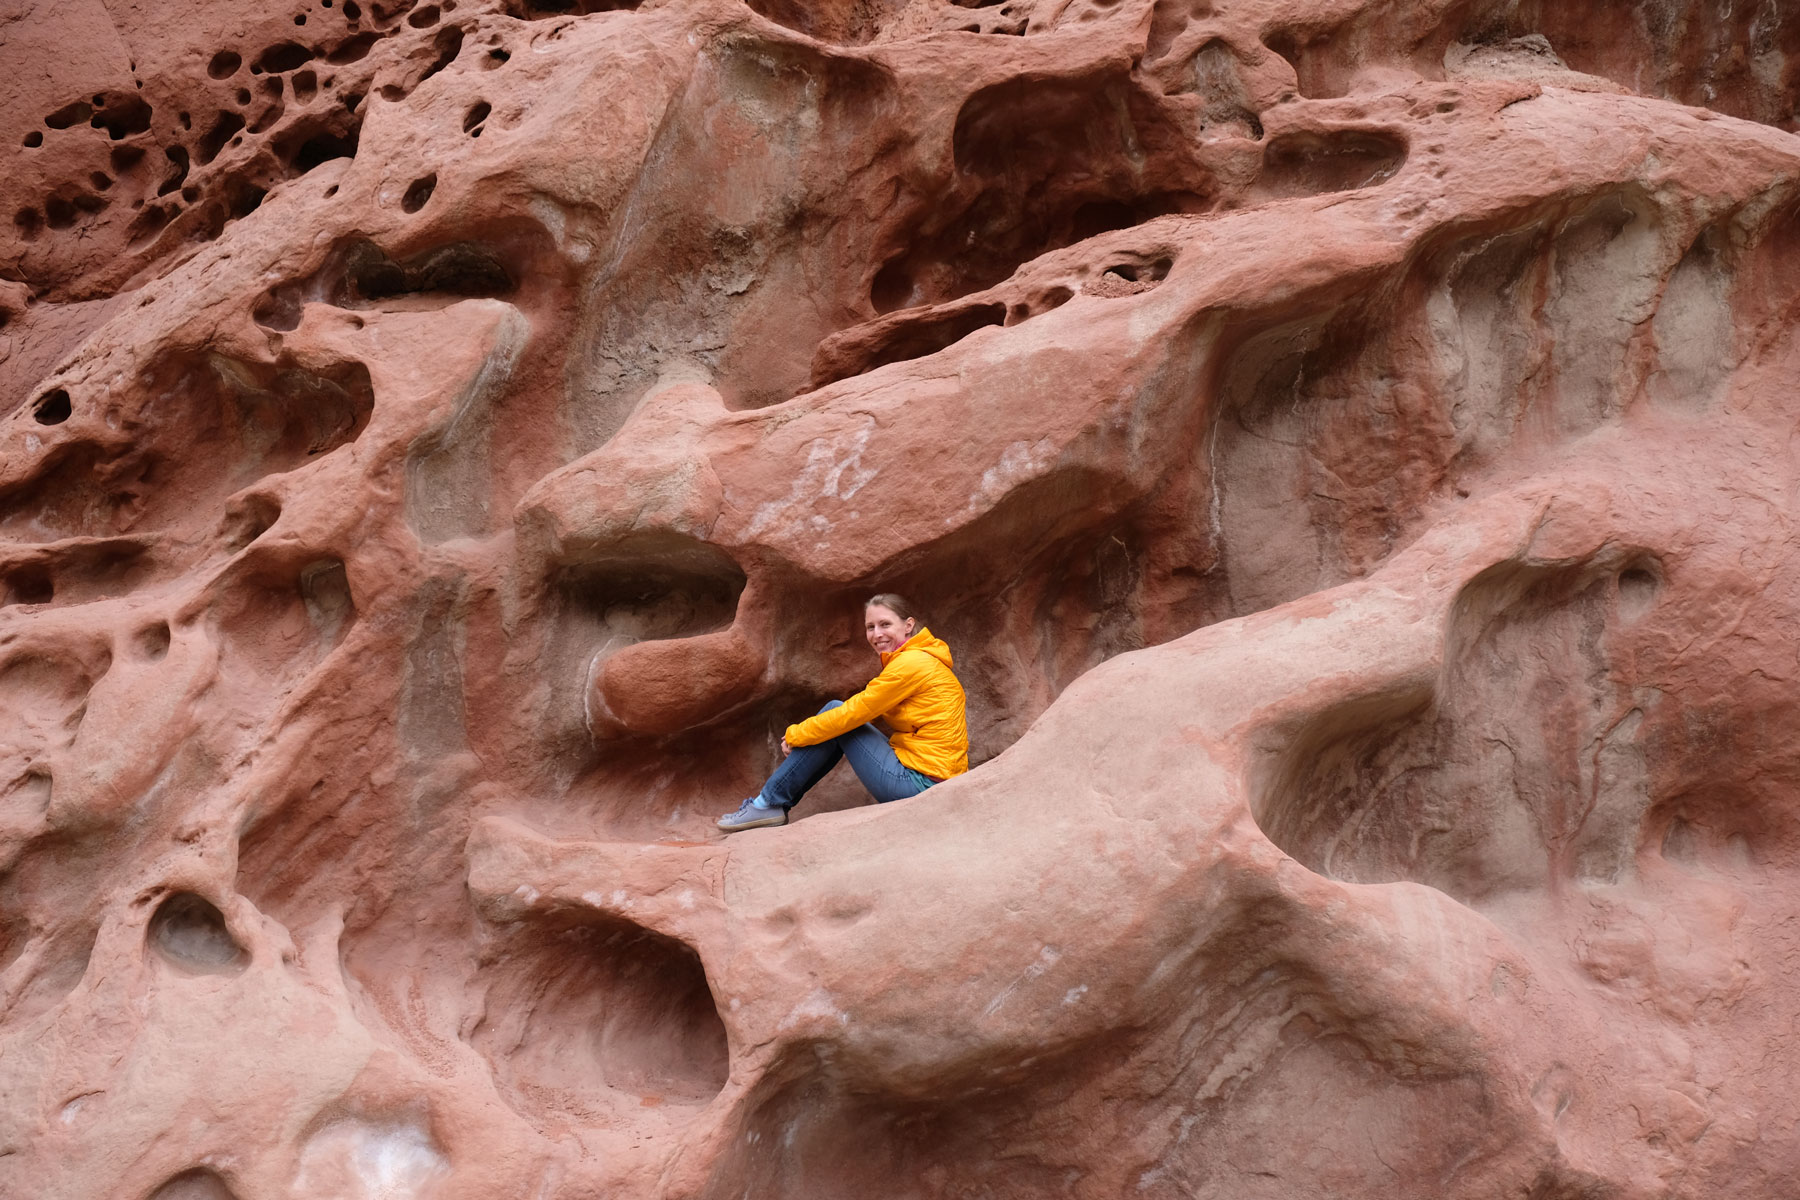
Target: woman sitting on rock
{"points": [[916, 695]]}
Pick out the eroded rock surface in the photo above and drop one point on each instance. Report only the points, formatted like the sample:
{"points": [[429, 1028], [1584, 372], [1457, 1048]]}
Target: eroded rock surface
{"points": [[1349, 446]]}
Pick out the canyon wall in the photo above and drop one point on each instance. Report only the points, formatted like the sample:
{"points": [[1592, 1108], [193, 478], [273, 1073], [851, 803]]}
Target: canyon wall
{"points": [[1349, 446]]}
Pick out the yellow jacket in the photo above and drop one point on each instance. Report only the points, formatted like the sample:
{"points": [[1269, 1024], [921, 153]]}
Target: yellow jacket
{"points": [[918, 696]]}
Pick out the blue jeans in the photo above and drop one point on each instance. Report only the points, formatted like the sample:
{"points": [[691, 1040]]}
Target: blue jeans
{"points": [[870, 757]]}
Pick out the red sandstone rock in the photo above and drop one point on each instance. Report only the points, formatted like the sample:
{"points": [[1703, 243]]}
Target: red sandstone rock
{"points": [[1347, 446]]}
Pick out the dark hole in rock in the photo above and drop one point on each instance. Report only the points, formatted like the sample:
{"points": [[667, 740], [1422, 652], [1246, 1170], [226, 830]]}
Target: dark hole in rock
{"points": [[190, 193], [306, 86], [318, 148], [418, 194], [449, 42], [213, 140], [495, 58], [300, 19], [99, 101], [100, 179], [128, 116], [152, 641], [72, 113], [30, 585], [34, 139], [283, 56], [1311, 164], [178, 158], [584, 1007], [149, 223], [352, 10], [189, 931], [845, 21], [243, 198], [196, 1184], [1040, 164], [354, 49], [424, 18], [331, 191], [224, 64], [248, 520], [123, 158], [60, 213], [476, 116], [29, 222], [351, 100], [899, 338], [53, 408]]}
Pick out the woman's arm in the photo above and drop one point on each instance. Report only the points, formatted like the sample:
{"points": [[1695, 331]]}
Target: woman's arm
{"points": [[900, 679]]}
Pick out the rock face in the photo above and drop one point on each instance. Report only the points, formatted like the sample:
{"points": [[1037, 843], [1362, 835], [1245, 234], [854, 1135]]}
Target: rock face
{"points": [[1348, 444]]}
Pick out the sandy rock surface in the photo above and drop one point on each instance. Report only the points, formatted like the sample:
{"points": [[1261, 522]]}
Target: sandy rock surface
{"points": [[1348, 444]]}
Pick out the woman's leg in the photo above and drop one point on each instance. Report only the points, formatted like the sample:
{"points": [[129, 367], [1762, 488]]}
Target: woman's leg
{"points": [[878, 767]]}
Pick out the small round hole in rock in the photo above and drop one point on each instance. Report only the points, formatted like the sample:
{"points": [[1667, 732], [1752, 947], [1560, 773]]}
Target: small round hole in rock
{"points": [[34, 139], [189, 931], [224, 64], [197, 1184], [418, 193], [476, 116], [494, 58], [152, 642], [53, 408]]}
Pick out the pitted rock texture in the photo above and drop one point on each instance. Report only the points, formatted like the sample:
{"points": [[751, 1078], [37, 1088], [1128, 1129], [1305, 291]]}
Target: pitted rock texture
{"points": [[1348, 445]]}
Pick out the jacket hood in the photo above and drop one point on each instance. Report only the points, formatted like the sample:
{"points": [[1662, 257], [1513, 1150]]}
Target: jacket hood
{"points": [[925, 641]]}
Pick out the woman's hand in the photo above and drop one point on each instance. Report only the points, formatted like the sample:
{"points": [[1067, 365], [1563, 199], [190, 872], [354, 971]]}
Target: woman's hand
{"points": [[785, 748]]}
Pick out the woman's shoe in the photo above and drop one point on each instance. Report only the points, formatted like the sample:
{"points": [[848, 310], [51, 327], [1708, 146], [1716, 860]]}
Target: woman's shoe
{"points": [[749, 816]]}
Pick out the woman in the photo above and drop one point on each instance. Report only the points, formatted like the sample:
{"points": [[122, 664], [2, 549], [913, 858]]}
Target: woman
{"points": [[916, 695]]}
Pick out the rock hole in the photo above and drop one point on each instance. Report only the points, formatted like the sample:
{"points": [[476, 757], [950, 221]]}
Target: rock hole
{"points": [[224, 64], [320, 148], [72, 113], [29, 222], [190, 193], [1311, 164], [300, 19], [31, 585], [53, 408], [189, 932], [899, 338], [123, 158], [600, 1009], [254, 516], [495, 57], [306, 86], [424, 18], [152, 641], [1638, 586], [127, 116], [178, 159], [417, 195], [354, 49], [352, 10], [224, 128], [101, 180], [449, 42], [476, 116], [34, 139], [199, 1183], [283, 56], [331, 191]]}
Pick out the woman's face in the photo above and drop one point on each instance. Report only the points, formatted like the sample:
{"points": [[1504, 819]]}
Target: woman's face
{"points": [[886, 631]]}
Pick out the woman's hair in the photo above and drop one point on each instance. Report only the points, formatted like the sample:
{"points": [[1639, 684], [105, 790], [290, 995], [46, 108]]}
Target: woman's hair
{"points": [[894, 604]]}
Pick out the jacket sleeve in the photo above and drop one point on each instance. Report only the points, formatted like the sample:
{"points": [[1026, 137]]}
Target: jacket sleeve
{"points": [[901, 678]]}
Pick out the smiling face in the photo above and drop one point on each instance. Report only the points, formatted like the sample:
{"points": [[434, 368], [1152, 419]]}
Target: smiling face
{"points": [[885, 630]]}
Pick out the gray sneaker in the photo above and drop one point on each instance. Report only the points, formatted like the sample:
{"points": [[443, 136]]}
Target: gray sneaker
{"points": [[749, 816]]}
